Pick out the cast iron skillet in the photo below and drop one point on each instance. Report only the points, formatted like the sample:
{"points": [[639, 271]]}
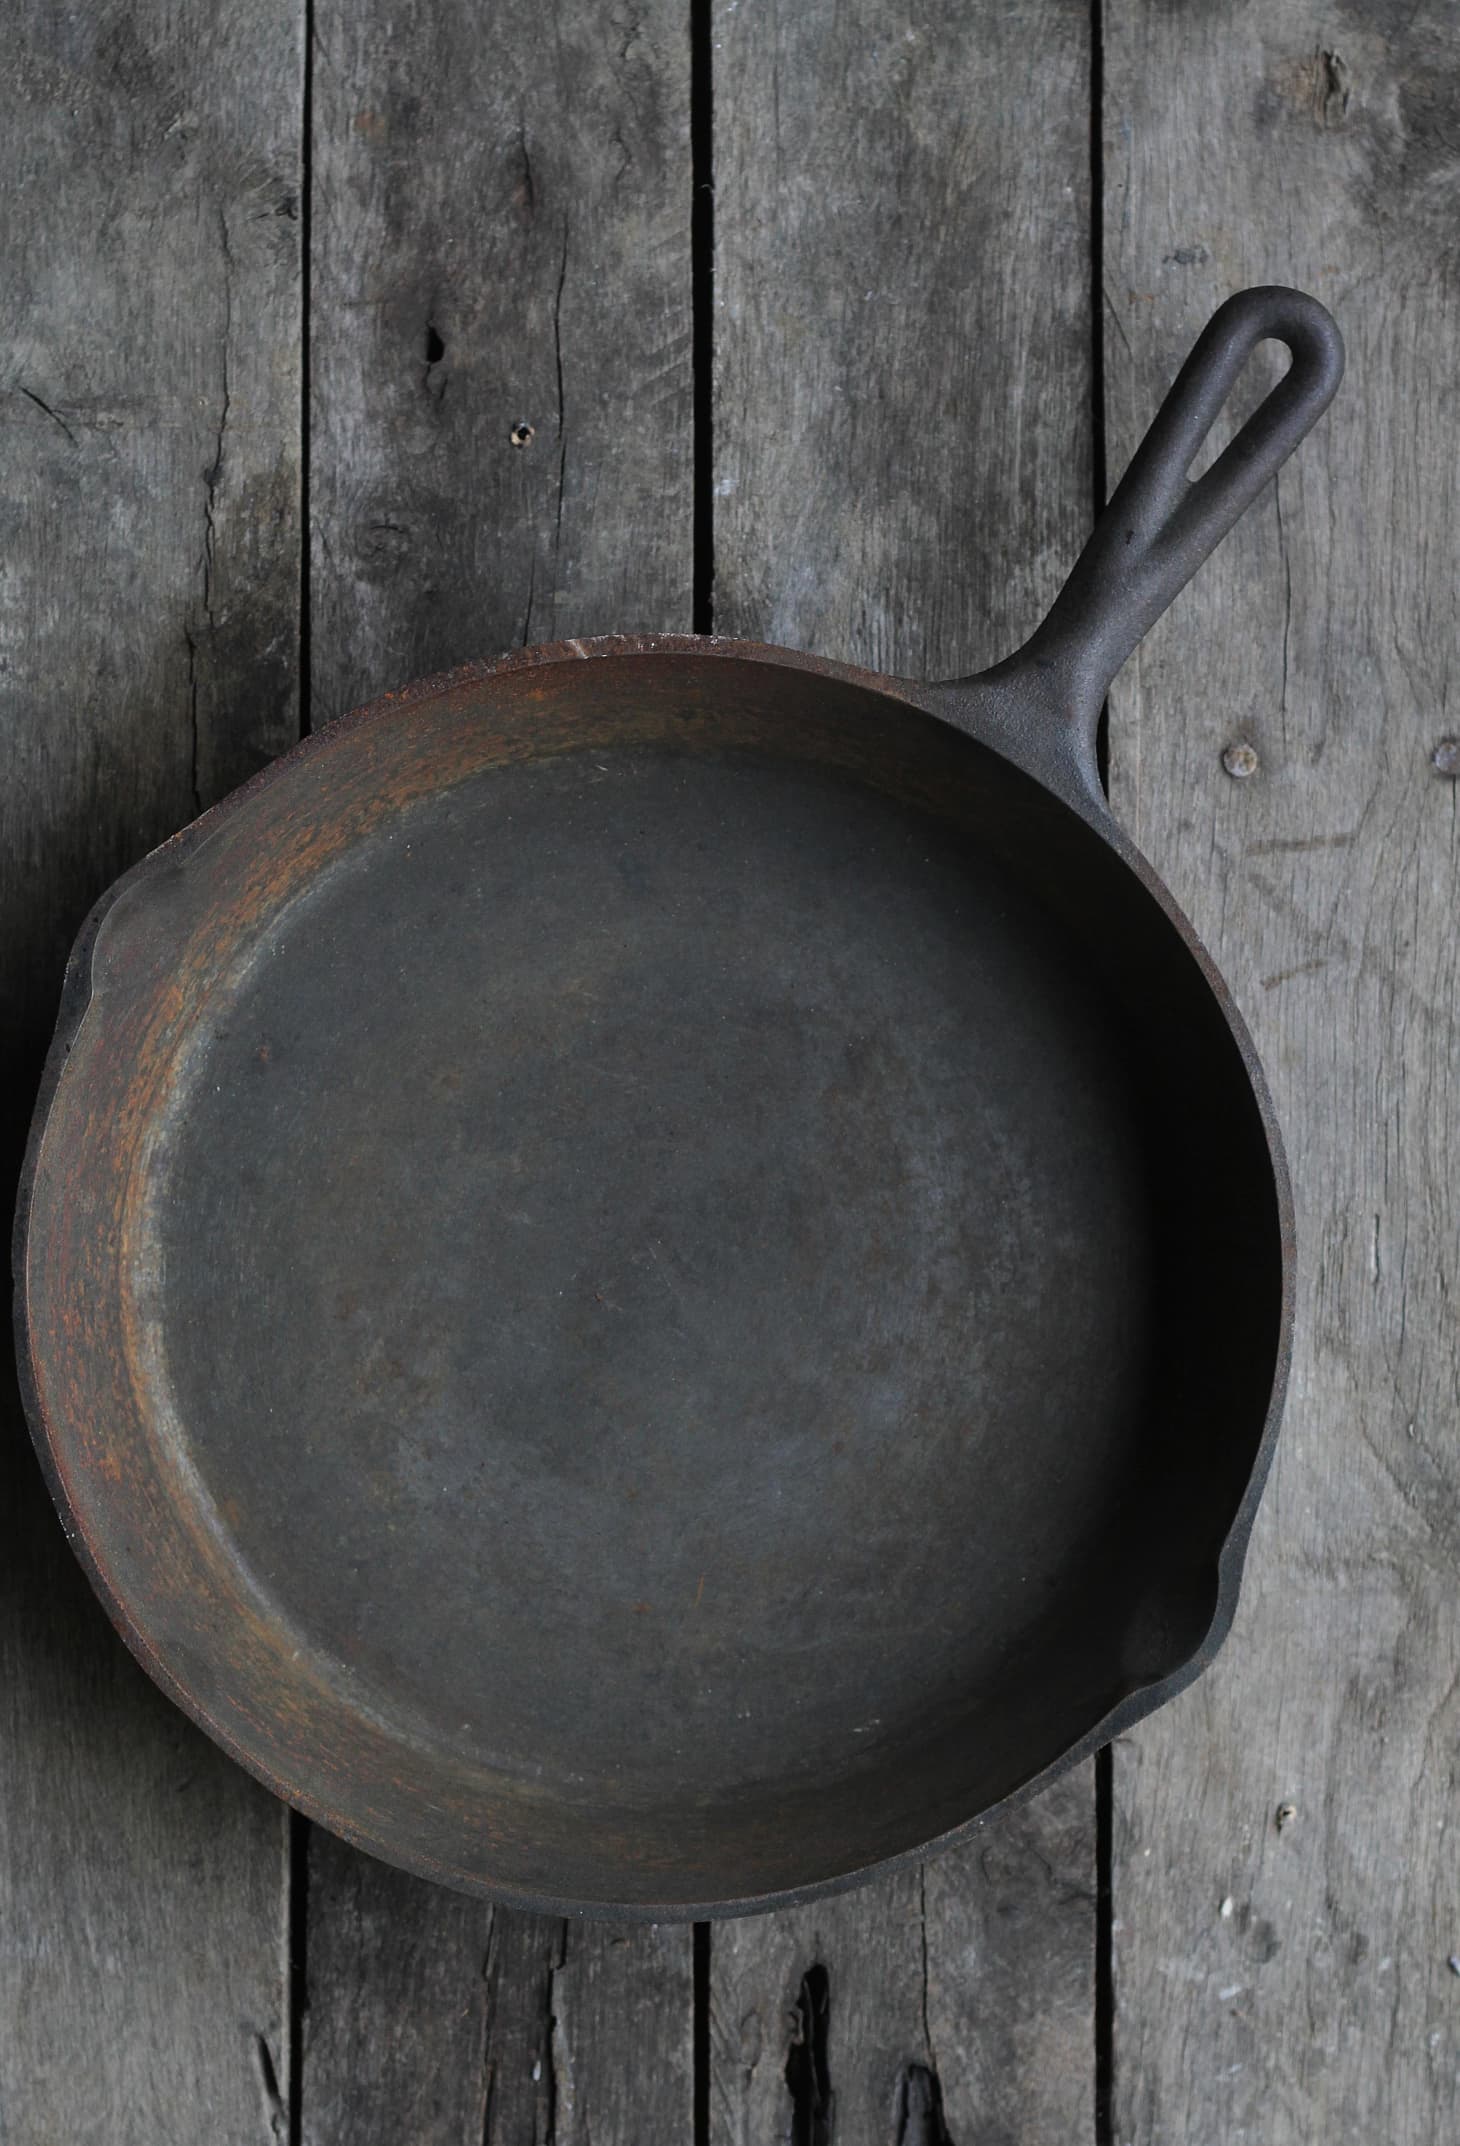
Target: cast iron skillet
{"points": [[656, 1272]]}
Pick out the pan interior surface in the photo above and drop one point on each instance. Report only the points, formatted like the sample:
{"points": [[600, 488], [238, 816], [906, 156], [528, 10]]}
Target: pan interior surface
{"points": [[652, 1278]]}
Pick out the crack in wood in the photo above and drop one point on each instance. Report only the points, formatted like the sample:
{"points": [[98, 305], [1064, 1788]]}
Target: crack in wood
{"points": [[433, 380], [488, 2058], [54, 415], [920, 2118], [923, 1958], [525, 194], [526, 636], [274, 2107], [196, 780], [212, 476], [558, 2051], [808, 2064], [1277, 507], [920, 2092], [702, 314], [562, 424]]}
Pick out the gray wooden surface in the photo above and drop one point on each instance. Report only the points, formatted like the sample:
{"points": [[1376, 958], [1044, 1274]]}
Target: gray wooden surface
{"points": [[950, 2001], [149, 584], [483, 222], [501, 452], [882, 201], [1243, 145]]}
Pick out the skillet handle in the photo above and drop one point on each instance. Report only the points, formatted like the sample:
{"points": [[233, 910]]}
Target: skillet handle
{"points": [[1159, 526]]}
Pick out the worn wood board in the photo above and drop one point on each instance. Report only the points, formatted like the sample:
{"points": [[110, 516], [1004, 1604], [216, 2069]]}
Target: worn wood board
{"points": [[501, 453], [149, 531], [952, 2001], [903, 462], [1286, 1891], [450, 2022], [500, 362]]}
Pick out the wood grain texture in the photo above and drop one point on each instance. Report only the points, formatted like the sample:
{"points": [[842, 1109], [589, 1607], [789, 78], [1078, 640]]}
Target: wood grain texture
{"points": [[1288, 1981], [149, 399], [1011, 1963], [501, 246], [500, 363], [622, 2037], [149, 529], [589, 2036], [902, 475], [956, 2001], [416, 2052], [817, 2019], [451, 2022], [902, 415]]}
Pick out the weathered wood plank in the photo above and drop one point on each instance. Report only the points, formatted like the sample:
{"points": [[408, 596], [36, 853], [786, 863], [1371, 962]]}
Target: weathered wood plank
{"points": [[473, 2025], [500, 247], [622, 2037], [1286, 1982], [1011, 1960], [501, 365], [415, 2051], [589, 2036], [817, 2019], [463, 2022], [902, 422], [150, 407], [902, 448], [149, 424], [952, 2001]]}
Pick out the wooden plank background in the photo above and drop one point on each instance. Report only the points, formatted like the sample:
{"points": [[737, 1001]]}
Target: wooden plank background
{"points": [[880, 196], [1289, 1982], [501, 452], [149, 632], [785, 320]]}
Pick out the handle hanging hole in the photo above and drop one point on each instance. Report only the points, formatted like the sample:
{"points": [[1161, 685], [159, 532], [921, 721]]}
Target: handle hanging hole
{"points": [[1266, 365]]}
